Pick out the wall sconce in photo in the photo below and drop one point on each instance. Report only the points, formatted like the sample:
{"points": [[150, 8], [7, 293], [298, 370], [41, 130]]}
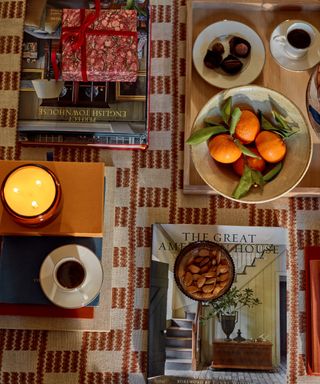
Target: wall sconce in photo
{"points": [[31, 194], [47, 89]]}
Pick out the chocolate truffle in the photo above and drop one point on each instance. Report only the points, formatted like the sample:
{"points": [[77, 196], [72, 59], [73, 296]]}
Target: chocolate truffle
{"points": [[239, 47], [231, 65], [212, 60], [218, 48]]}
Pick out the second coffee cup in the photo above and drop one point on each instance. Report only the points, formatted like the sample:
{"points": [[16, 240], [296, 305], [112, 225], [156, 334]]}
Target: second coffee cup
{"points": [[297, 39]]}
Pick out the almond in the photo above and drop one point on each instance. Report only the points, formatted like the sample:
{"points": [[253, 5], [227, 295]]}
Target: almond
{"points": [[223, 261], [222, 269], [193, 268], [204, 269], [196, 276], [198, 259], [204, 295], [191, 260], [218, 257], [223, 277], [212, 280], [210, 274], [201, 281], [204, 252], [217, 290], [208, 288], [188, 279], [204, 261], [181, 273], [192, 289]]}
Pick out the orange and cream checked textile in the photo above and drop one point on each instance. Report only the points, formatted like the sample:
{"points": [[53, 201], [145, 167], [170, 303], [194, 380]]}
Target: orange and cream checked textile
{"points": [[148, 189]]}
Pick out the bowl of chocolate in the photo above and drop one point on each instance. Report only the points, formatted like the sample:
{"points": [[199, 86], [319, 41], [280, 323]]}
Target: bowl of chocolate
{"points": [[204, 270], [231, 64], [228, 54]]}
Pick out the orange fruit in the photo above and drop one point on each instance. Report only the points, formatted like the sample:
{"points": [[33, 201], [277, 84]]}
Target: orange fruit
{"points": [[248, 127], [238, 166], [223, 149], [271, 146], [252, 162]]}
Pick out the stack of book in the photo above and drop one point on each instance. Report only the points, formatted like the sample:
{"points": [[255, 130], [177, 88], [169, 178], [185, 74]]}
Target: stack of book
{"points": [[20, 262]]}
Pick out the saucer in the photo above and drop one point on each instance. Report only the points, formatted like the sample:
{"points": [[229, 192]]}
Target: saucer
{"points": [[313, 100], [78, 297], [309, 60], [222, 31]]}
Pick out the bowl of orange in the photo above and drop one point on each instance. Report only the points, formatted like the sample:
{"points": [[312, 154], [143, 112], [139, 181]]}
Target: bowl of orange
{"points": [[251, 144]]}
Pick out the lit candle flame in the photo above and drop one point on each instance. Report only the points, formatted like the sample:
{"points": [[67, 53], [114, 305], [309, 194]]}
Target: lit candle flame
{"points": [[29, 190]]}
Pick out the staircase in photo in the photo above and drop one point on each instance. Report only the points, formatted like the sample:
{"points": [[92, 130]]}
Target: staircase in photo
{"points": [[179, 343], [179, 334], [248, 265]]}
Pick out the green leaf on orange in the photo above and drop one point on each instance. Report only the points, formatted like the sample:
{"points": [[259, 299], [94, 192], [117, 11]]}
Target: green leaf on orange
{"points": [[204, 134], [273, 172], [283, 129], [226, 110], [249, 179], [235, 117], [244, 185], [246, 151], [281, 120], [257, 178], [265, 124], [211, 120]]}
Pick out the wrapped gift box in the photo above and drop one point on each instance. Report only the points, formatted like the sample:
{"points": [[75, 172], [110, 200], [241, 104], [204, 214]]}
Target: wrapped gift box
{"points": [[106, 50]]}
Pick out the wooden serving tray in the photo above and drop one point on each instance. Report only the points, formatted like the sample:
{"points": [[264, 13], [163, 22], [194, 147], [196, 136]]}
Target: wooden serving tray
{"points": [[263, 17]]}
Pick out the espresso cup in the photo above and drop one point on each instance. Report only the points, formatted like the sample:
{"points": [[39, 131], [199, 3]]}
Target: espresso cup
{"points": [[297, 39], [69, 274]]}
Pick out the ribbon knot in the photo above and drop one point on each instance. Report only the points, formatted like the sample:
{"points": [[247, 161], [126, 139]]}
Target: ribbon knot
{"points": [[75, 37], [80, 35]]}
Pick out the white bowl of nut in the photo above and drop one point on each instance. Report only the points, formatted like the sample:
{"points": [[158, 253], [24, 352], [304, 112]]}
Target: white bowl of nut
{"points": [[204, 270]]}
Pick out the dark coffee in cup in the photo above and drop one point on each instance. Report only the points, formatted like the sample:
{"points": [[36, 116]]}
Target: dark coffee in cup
{"points": [[299, 38], [70, 274]]}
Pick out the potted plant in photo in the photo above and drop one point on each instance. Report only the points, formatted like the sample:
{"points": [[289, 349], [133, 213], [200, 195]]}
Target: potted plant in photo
{"points": [[226, 308]]}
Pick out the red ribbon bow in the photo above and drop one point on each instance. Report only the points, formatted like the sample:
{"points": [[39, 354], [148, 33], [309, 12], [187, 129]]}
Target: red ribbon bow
{"points": [[80, 35]]}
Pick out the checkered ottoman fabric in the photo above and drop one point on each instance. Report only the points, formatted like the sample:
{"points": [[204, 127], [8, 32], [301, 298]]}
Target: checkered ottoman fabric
{"points": [[148, 190]]}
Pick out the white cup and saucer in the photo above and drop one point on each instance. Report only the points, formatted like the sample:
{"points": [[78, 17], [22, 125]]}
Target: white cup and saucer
{"points": [[295, 45], [71, 276]]}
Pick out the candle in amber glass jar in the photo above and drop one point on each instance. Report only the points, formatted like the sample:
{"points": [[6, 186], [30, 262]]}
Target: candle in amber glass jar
{"points": [[31, 194]]}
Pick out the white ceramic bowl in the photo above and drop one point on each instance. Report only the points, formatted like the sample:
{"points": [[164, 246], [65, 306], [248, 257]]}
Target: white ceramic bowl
{"points": [[221, 178]]}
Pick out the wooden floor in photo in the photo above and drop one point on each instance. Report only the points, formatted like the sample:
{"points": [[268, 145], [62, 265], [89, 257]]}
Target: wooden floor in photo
{"points": [[277, 376]]}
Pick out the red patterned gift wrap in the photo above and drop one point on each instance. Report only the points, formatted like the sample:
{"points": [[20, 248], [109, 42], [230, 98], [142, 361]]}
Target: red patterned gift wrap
{"points": [[104, 49]]}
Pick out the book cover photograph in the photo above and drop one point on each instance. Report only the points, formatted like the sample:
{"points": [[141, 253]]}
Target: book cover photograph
{"points": [[217, 302]]}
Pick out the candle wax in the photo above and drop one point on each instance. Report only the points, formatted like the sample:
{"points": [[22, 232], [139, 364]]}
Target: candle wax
{"points": [[29, 190]]}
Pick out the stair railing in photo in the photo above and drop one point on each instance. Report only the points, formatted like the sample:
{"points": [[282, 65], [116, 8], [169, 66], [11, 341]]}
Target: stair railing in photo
{"points": [[195, 338]]}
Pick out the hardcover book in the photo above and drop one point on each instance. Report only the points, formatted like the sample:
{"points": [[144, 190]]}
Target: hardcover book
{"points": [[20, 262], [101, 112], [178, 340], [45, 317]]}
